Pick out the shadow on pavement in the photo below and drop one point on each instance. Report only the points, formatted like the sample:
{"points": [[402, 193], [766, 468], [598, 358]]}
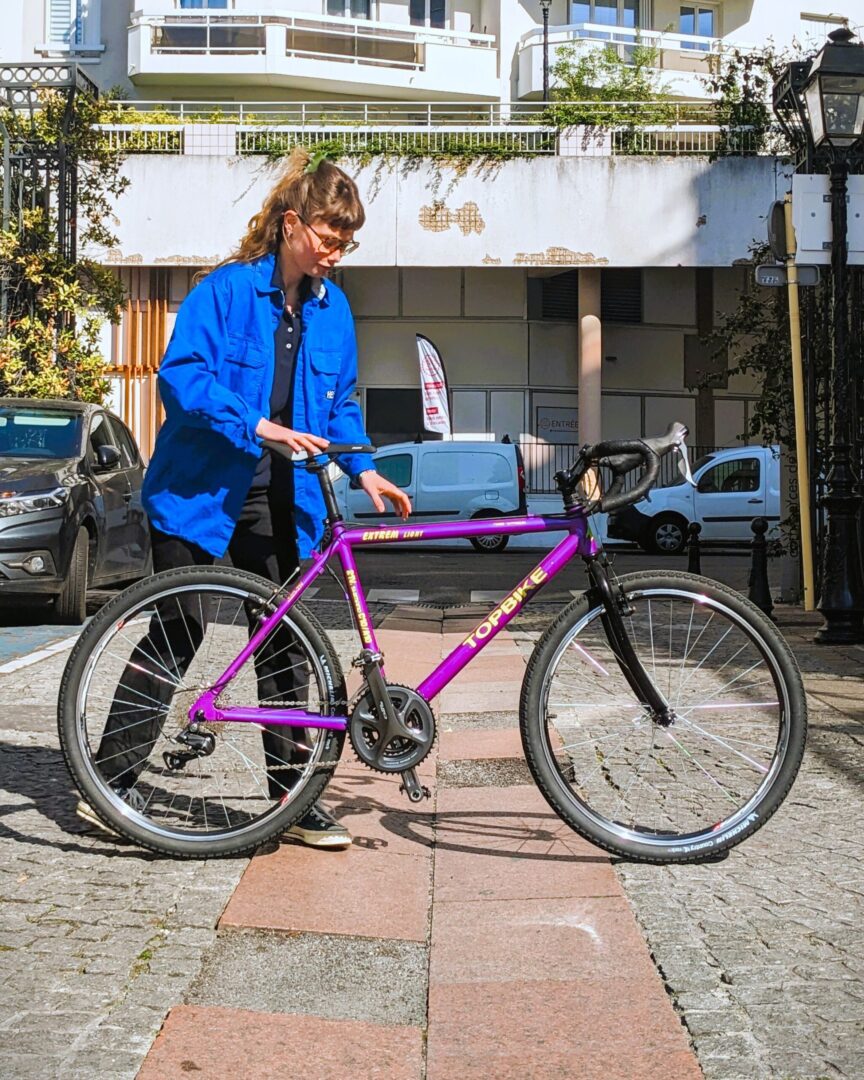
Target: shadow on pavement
{"points": [[39, 775]]}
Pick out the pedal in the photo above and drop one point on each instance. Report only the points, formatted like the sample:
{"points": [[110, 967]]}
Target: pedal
{"points": [[415, 791]]}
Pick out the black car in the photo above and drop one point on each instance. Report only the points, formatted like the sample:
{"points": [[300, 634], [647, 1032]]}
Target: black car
{"points": [[70, 502]]}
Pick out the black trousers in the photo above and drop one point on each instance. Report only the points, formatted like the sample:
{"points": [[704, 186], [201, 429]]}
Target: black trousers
{"points": [[264, 544]]}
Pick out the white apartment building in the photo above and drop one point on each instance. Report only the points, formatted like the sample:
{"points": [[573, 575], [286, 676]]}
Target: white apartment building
{"points": [[567, 291]]}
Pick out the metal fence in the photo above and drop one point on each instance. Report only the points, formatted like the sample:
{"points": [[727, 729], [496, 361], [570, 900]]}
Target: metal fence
{"points": [[543, 460]]}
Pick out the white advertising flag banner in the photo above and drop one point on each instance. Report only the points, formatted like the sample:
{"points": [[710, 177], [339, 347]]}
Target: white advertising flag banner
{"points": [[433, 382]]}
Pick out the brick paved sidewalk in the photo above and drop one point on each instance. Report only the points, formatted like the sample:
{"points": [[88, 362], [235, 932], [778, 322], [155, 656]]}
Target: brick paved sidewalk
{"points": [[475, 936]]}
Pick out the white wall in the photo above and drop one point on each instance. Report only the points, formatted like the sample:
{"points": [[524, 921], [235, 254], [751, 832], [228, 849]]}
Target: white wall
{"points": [[549, 212]]}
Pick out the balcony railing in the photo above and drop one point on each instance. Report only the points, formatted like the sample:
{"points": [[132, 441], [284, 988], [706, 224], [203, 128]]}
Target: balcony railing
{"points": [[322, 37], [238, 128], [670, 45]]}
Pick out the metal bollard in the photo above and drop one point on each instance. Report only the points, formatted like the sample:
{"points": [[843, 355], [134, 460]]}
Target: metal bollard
{"points": [[694, 556], [760, 590]]}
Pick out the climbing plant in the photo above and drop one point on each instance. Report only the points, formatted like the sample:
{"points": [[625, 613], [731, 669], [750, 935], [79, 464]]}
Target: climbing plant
{"points": [[56, 305]]}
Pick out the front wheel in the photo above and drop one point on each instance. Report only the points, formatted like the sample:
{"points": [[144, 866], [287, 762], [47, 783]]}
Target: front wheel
{"points": [[665, 792], [198, 790]]}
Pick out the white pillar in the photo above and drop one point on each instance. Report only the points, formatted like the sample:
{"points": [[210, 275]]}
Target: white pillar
{"points": [[590, 355]]}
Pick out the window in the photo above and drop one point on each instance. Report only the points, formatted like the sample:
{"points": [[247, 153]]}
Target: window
{"points": [[428, 13], [739, 476], [465, 468], [203, 3], [621, 295], [100, 435], [70, 26], [698, 20], [39, 433], [397, 468], [350, 9], [557, 297], [606, 12], [393, 415], [65, 22], [125, 442]]}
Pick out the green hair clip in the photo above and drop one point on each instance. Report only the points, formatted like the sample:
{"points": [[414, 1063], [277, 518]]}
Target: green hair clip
{"points": [[315, 161]]}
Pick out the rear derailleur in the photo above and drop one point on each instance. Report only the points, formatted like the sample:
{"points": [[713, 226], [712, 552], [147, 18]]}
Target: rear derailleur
{"points": [[199, 744]]}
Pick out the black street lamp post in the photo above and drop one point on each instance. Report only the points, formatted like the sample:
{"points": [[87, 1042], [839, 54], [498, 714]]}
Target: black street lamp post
{"points": [[545, 5], [828, 110]]}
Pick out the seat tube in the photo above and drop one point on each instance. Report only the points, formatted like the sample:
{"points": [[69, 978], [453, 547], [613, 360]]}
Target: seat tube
{"points": [[357, 600]]}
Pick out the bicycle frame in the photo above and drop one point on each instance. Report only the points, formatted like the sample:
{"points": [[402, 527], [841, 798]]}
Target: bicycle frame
{"points": [[345, 539]]}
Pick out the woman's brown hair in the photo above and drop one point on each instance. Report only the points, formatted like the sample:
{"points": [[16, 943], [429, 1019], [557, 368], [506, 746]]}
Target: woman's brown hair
{"points": [[322, 193]]}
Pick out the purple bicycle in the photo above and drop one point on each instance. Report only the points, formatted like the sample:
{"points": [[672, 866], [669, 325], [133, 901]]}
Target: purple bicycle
{"points": [[663, 717]]}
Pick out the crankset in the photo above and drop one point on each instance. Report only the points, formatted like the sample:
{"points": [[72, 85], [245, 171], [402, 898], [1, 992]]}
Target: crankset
{"points": [[396, 742]]}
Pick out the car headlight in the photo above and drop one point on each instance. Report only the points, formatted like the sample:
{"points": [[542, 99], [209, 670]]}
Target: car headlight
{"points": [[12, 503]]}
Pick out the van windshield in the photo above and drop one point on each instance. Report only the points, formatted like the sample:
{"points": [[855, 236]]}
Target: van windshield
{"points": [[678, 477]]}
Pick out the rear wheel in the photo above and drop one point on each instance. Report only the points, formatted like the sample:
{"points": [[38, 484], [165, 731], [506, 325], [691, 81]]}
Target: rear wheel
{"points": [[678, 791], [198, 790], [488, 544], [71, 603]]}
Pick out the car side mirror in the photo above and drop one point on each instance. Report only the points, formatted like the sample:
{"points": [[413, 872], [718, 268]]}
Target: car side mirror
{"points": [[107, 458]]}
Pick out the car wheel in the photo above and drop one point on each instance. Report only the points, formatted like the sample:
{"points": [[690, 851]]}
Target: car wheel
{"points": [[666, 535], [71, 604], [488, 544]]}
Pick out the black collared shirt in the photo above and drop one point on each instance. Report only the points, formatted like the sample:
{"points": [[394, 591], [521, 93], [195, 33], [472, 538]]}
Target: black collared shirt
{"points": [[286, 342]]}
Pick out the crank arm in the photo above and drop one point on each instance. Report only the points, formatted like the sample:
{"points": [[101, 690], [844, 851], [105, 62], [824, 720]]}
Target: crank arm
{"points": [[412, 787]]}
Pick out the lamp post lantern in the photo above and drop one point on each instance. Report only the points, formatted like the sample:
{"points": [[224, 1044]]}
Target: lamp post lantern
{"points": [[824, 103], [545, 5]]}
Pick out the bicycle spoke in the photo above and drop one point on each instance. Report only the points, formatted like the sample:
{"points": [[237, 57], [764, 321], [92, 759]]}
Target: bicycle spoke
{"points": [[641, 776], [199, 779]]}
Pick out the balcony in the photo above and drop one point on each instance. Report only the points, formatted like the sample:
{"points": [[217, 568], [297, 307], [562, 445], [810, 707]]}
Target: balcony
{"points": [[311, 52], [684, 59]]}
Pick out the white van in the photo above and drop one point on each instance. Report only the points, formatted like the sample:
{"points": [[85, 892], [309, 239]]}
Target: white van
{"points": [[447, 481], [732, 488]]}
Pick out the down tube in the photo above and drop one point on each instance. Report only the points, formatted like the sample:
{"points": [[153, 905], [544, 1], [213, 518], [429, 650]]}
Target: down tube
{"points": [[357, 600], [499, 617]]}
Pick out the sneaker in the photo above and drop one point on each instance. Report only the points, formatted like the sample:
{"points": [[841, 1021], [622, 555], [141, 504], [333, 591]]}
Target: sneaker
{"points": [[129, 795], [319, 829]]}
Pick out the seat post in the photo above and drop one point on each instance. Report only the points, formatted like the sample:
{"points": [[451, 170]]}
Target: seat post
{"points": [[326, 483]]}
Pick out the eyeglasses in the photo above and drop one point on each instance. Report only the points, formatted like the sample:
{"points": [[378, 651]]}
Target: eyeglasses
{"points": [[332, 243]]}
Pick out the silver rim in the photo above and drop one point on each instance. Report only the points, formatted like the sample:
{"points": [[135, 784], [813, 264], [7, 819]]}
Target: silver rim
{"points": [[490, 543], [225, 794], [679, 787], [669, 537]]}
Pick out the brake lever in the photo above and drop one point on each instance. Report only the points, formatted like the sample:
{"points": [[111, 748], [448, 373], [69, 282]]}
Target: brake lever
{"points": [[684, 463]]}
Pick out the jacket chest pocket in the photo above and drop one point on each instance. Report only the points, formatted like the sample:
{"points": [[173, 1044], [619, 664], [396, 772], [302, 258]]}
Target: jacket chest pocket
{"points": [[245, 363], [325, 365]]}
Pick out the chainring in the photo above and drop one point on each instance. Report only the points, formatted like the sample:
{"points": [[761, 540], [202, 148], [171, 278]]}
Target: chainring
{"points": [[393, 753]]}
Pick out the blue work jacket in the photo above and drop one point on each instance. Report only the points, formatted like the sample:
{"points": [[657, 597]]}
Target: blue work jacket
{"points": [[215, 382]]}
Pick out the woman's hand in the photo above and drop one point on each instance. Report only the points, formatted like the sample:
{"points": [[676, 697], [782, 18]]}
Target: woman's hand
{"points": [[375, 486], [297, 440]]}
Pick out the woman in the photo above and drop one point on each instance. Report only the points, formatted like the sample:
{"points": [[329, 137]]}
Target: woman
{"points": [[263, 348]]}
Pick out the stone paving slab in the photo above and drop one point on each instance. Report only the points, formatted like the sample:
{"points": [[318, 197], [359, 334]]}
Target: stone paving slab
{"points": [[363, 892], [478, 745], [551, 1029], [235, 1044], [506, 844], [337, 978]]}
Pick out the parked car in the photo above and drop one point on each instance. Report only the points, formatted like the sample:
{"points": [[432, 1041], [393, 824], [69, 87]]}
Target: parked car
{"points": [[70, 502], [447, 481], [732, 488]]}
